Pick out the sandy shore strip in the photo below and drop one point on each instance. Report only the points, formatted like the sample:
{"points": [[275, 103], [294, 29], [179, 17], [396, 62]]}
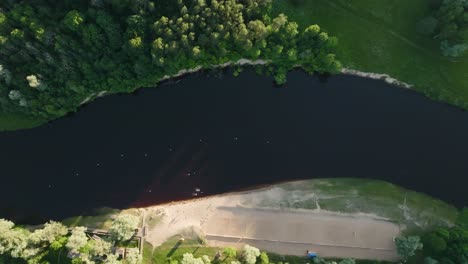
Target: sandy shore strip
{"points": [[236, 219], [377, 76]]}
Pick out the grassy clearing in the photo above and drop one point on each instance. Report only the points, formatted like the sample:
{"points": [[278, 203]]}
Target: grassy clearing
{"points": [[413, 209], [9, 122], [101, 220], [382, 38], [171, 250]]}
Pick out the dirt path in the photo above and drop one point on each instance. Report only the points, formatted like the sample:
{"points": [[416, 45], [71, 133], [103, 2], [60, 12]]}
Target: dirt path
{"points": [[238, 219]]}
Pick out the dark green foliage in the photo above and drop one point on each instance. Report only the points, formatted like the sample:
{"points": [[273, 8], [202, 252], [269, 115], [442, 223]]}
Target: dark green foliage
{"points": [[72, 50], [427, 25], [448, 244], [408, 246], [452, 18]]}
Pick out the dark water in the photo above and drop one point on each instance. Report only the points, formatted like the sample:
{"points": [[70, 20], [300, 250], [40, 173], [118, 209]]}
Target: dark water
{"points": [[226, 134]]}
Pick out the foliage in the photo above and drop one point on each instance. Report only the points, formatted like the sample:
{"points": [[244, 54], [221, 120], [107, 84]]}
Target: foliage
{"points": [[347, 261], [250, 254], [58, 55], [264, 258], [188, 258], [13, 241], [124, 226], [133, 256], [430, 260], [453, 27], [230, 252], [99, 247], [112, 259], [407, 246], [50, 233], [447, 244], [77, 240]]}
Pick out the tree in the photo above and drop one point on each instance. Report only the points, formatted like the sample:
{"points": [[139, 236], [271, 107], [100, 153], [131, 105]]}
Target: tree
{"points": [[112, 259], [250, 254], [434, 243], [229, 252], [206, 259], [264, 258], [51, 232], [453, 50], [73, 20], [430, 260], [100, 247], [453, 27], [188, 258], [77, 240], [463, 218], [347, 261], [133, 256], [5, 225], [124, 226], [33, 81], [407, 246], [12, 241]]}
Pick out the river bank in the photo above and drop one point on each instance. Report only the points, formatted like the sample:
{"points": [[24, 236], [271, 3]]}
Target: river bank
{"points": [[384, 39], [28, 124], [238, 219], [292, 217]]}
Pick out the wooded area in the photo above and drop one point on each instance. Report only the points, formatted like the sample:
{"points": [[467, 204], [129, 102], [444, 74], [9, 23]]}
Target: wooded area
{"points": [[55, 54]]}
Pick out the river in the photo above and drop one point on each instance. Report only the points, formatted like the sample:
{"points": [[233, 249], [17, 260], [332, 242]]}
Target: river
{"points": [[225, 134]]}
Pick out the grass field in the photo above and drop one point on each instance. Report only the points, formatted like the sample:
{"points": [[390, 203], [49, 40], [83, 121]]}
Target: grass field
{"points": [[381, 37], [172, 250], [10, 122], [102, 219]]}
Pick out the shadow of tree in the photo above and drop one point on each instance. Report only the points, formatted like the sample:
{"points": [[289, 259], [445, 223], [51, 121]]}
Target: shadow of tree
{"points": [[173, 249]]}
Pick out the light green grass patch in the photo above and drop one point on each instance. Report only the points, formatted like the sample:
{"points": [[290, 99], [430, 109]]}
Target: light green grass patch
{"points": [[410, 208], [193, 243]]}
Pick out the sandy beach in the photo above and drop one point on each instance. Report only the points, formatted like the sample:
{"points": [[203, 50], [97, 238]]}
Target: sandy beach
{"points": [[237, 219]]}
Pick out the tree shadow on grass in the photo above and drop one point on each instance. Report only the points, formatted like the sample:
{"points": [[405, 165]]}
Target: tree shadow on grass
{"points": [[176, 246]]}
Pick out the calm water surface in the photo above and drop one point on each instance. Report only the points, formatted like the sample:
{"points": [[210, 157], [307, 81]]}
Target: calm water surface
{"points": [[226, 134]]}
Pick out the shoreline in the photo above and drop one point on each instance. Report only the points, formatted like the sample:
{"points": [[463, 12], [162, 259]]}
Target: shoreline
{"points": [[347, 71], [238, 218], [377, 76]]}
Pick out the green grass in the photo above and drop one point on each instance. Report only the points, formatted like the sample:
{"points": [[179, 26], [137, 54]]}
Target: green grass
{"points": [[160, 254], [412, 209], [101, 220], [381, 37], [275, 258], [168, 250], [10, 122], [147, 253]]}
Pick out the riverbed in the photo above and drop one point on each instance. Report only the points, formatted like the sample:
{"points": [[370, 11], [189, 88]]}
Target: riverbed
{"points": [[212, 133]]}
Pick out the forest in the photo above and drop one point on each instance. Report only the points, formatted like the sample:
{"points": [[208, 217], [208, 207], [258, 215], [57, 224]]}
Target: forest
{"points": [[448, 23], [56, 54]]}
